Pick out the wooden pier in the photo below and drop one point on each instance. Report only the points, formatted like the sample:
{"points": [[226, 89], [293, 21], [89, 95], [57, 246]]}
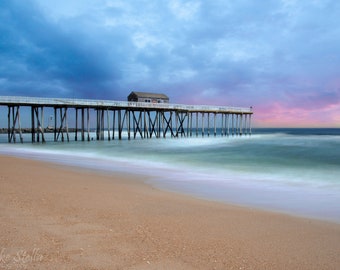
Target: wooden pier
{"points": [[120, 119]]}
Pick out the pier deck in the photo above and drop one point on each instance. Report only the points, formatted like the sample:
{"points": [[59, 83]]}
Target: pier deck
{"points": [[135, 118]]}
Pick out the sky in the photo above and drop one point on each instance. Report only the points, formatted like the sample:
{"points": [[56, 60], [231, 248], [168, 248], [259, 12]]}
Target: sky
{"points": [[280, 57]]}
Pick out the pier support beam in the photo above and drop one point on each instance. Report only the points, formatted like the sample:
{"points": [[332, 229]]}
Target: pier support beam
{"points": [[37, 124], [202, 124], [63, 125], [120, 124], [14, 117], [196, 124], [137, 124], [215, 125], [88, 124], [180, 118], [249, 124], [113, 124], [76, 126], [82, 131], [108, 124], [208, 124]]}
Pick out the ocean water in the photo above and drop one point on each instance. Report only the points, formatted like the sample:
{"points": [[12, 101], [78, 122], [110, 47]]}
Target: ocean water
{"points": [[295, 171]]}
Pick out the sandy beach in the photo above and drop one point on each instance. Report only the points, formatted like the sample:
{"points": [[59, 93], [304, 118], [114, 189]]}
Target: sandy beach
{"points": [[55, 217]]}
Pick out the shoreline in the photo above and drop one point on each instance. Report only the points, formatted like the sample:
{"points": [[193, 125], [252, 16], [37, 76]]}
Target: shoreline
{"points": [[54, 216]]}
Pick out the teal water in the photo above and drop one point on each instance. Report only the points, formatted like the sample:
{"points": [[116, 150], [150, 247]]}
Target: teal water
{"points": [[296, 171]]}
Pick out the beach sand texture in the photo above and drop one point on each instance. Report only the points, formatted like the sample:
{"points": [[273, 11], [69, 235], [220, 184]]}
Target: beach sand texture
{"points": [[54, 217]]}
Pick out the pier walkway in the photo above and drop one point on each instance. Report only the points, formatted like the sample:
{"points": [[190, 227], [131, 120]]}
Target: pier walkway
{"points": [[119, 118]]}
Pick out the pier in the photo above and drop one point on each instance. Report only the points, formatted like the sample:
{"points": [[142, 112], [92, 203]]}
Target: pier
{"points": [[117, 119]]}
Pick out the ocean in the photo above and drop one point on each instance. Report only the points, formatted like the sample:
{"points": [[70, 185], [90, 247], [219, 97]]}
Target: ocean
{"points": [[294, 171]]}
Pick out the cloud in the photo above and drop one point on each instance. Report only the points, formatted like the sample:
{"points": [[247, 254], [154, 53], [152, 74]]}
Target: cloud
{"points": [[184, 10], [240, 53], [39, 52]]}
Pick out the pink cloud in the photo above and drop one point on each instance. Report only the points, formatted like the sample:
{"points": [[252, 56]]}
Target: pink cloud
{"points": [[282, 115]]}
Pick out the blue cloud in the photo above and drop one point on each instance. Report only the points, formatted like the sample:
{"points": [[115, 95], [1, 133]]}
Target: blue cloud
{"points": [[40, 54], [249, 52]]}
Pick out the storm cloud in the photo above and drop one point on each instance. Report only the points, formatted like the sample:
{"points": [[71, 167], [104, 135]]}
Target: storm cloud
{"points": [[281, 57]]}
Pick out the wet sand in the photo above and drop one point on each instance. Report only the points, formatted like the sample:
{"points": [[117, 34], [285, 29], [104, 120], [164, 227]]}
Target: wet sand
{"points": [[55, 217]]}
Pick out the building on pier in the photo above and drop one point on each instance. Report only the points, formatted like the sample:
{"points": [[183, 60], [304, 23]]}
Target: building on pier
{"points": [[148, 97]]}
